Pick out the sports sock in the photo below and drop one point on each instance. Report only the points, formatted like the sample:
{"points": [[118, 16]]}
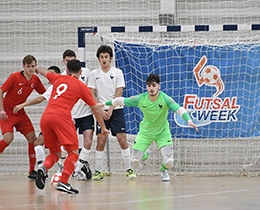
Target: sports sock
{"points": [[99, 160], [50, 160], [3, 145], [69, 166], [84, 155], [163, 167], [126, 157], [32, 156], [40, 155], [63, 156]]}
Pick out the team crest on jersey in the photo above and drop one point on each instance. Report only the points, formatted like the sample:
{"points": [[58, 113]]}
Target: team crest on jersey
{"points": [[111, 76], [206, 110]]}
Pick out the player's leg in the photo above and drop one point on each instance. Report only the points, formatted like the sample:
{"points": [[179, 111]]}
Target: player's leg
{"points": [[7, 139], [61, 160], [31, 137], [141, 153], [39, 150], [99, 156], [118, 129], [82, 169], [165, 144], [7, 131], [26, 128]]}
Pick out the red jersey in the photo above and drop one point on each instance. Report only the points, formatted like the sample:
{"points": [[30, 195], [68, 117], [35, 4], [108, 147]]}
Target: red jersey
{"points": [[18, 89], [67, 90]]}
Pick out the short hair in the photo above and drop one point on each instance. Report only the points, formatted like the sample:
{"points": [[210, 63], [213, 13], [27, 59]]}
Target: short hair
{"points": [[153, 78], [104, 49], [55, 68], [74, 66], [69, 53], [29, 59]]}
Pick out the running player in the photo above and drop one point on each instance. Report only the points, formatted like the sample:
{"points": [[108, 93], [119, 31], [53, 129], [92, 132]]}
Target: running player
{"points": [[154, 127], [57, 126], [19, 86], [106, 83]]}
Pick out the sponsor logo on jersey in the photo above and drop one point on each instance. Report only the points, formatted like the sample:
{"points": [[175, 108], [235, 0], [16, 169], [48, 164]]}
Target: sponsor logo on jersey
{"points": [[206, 110]]}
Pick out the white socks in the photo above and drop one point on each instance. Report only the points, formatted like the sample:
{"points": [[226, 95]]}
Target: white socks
{"points": [[99, 160], [83, 156], [126, 157], [40, 155]]}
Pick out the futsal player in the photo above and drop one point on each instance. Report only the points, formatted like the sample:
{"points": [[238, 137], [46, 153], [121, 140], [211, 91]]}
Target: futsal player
{"points": [[57, 126], [154, 127], [19, 86]]}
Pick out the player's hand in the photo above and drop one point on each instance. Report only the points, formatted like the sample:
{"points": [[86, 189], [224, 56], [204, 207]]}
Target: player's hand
{"points": [[73, 121], [17, 108], [193, 125], [105, 132], [3, 115], [100, 104]]}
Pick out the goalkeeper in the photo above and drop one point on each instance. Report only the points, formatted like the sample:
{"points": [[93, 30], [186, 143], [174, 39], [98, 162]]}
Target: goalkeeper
{"points": [[154, 127]]}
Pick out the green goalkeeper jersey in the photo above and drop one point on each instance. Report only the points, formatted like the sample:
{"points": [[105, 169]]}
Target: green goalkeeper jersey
{"points": [[155, 113]]}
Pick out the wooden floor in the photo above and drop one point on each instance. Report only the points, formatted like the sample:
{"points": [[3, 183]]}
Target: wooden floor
{"points": [[116, 192]]}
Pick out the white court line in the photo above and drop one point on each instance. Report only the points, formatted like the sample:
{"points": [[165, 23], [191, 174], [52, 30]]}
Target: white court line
{"points": [[172, 197]]}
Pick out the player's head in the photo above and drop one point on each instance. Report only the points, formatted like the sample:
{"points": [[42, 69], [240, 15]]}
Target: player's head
{"points": [[105, 55], [153, 84], [74, 66], [29, 65], [28, 59], [54, 69], [68, 55]]}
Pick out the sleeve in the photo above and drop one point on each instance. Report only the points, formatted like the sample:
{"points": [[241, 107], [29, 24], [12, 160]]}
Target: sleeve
{"points": [[47, 93], [120, 79], [39, 87], [176, 108], [86, 72], [86, 94], [91, 80], [132, 101], [8, 83]]}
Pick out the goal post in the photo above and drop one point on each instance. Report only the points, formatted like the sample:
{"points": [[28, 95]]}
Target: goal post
{"points": [[211, 70]]}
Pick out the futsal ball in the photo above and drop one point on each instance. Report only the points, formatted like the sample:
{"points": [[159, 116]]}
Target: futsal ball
{"points": [[55, 179], [210, 75]]}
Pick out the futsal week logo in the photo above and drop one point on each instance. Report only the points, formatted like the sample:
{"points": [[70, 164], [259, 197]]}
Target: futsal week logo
{"points": [[205, 110]]}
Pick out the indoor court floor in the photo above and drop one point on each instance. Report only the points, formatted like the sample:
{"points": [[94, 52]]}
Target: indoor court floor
{"points": [[145, 192]]}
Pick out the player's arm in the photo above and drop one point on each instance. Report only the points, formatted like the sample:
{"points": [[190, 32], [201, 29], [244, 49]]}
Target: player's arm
{"points": [[119, 92], [182, 113], [3, 115], [119, 101], [36, 100], [41, 71]]}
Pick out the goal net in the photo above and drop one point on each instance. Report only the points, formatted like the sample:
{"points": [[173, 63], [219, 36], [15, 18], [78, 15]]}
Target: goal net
{"points": [[213, 74]]}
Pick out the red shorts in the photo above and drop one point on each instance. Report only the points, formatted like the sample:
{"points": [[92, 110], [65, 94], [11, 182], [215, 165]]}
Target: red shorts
{"points": [[21, 122], [57, 131]]}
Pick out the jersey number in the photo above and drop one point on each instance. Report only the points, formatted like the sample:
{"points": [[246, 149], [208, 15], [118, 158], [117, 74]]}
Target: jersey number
{"points": [[60, 90]]}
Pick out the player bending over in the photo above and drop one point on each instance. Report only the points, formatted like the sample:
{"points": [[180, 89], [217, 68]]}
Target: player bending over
{"points": [[154, 127], [57, 126]]}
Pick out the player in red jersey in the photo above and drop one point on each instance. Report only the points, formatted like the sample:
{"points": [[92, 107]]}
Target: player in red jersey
{"points": [[56, 122], [19, 86]]}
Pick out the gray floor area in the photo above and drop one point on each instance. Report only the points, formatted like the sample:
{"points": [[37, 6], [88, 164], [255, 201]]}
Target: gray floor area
{"points": [[145, 192]]}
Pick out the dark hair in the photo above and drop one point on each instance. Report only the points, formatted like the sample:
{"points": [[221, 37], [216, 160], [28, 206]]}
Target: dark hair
{"points": [[104, 49], [29, 59], [153, 78], [55, 68], [69, 53], [74, 66]]}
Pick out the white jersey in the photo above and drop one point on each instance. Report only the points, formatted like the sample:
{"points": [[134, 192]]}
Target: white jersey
{"points": [[47, 93], [106, 84], [81, 109]]}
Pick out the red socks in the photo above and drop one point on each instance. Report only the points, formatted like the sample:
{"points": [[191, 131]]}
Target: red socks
{"points": [[50, 160], [32, 156], [69, 166], [3, 145]]}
